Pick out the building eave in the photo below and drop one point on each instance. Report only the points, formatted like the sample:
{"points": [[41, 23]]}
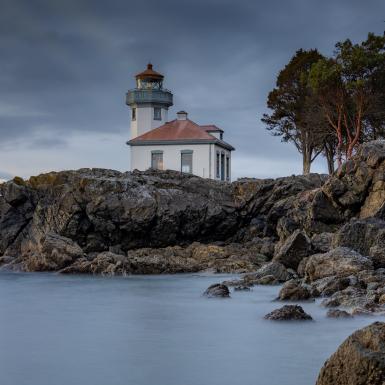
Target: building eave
{"points": [[218, 142]]}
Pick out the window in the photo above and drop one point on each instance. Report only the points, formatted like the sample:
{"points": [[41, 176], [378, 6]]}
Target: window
{"points": [[222, 166], [157, 160], [186, 161], [133, 115], [218, 165], [221, 136], [227, 168], [157, 113]]}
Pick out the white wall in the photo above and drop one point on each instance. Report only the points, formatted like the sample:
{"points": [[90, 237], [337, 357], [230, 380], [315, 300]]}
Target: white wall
{"points": [[145, 120], [204, 158], [141, 157]]}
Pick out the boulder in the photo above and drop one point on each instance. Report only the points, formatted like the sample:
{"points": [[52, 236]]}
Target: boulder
{"points": [[360, 359], [53, 253], [322, 243], [340, 261], [367, 236], [296, 247], [217, 290], [271, 273], [351, 297], [327, 286], [294, 290], [288, 313], [337, 313]]}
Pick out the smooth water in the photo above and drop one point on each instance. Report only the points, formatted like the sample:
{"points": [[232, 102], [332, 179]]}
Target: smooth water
{"points": [[147, 330]]}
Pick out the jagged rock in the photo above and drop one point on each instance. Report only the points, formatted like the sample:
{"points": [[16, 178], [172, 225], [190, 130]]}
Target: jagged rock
{"points": [[337, 313], [266, 280], [364, 311], [351, 297], [322, 243], [381, 300], [340, 261], [359, 359], [327, 286], [294, 290], [367, 236], [217, 290], [53, 253], [271, 273], [106, 263], [296, 247], [287, 313]]}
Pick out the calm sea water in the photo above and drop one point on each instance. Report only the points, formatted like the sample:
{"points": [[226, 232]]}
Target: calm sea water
{"points": [[147, 330]]}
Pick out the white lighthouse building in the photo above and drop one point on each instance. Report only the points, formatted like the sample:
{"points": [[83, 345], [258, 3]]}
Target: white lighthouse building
{"points": [[179, 144]]}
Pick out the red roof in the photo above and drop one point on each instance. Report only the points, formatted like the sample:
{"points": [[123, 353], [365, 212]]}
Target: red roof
{"points": [[176, 130], [149, 73]]}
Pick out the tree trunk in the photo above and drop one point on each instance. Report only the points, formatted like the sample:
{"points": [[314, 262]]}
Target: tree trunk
{"points": [[329, 154], [306, 161]]}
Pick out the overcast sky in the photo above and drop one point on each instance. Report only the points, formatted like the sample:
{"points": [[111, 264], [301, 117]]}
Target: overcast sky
{"points": [[65, 66]]}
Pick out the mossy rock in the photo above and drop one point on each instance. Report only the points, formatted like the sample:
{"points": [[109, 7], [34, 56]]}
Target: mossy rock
{"points": [[19, 181]]}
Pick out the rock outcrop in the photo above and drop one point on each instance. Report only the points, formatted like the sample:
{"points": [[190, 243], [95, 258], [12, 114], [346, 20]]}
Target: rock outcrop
{"points": [[340, 262], [294, 290], [360, 360], [103, 221], [288, 313]]}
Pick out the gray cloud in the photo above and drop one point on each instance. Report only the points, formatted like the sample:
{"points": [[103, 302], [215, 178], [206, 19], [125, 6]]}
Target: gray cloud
{"points": [[66, 65]]}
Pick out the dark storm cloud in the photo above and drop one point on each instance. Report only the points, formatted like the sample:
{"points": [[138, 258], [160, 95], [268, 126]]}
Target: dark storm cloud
{"points": [[66, 65]]}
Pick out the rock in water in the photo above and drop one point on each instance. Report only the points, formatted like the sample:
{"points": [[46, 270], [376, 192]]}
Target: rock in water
{"points": [[217, 290], [288, 313], [337, 313], [360, 360]]}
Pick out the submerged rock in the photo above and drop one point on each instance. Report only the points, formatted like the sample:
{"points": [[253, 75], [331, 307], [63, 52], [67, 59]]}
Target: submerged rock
{"points": [[360, 359], [288, 313], [217, 290]]}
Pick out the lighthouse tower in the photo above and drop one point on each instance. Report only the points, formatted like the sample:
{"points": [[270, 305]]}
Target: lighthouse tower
{"points": [[149, 102]]}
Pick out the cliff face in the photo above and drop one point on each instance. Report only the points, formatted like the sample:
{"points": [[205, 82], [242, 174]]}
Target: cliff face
{"points": [[56, 219]]}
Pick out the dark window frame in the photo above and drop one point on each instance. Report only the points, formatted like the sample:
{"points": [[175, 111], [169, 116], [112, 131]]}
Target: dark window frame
{"points": [[154, 154], [183, 154], [157, 113]]}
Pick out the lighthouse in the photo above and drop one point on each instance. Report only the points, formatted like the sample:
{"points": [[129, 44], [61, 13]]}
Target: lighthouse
{"points": [[179, 144], [149, 102]]}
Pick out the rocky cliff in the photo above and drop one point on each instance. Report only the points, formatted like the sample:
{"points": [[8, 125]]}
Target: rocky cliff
{"points": [[104, 221]]}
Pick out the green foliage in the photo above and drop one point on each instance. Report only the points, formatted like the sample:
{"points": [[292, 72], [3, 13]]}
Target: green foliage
{"points": [[19, 181], [290, 102], [50, 179], [334, 102]]}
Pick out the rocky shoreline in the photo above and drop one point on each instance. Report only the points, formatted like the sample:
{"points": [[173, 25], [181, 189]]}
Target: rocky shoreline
{"points": [[320, 236]]}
